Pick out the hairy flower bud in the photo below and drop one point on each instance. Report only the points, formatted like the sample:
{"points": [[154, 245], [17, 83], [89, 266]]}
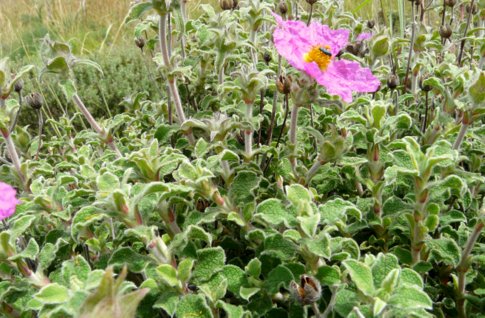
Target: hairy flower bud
{"points": [[371, 24], [450, 3], [140, 42], [392, 81], [283, 83], [34, 100], [226, 4], [19, 85], [309, 291], [267, 57], [425, 88], [311, 2], [446, 31], [283, 8], [474, 9]]}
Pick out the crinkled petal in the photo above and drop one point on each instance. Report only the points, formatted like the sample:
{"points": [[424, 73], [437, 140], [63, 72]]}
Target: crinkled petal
{"points": [[294, 38], [323, 35], [343, 77], [292, 41], [8, 201], [364, 36]]}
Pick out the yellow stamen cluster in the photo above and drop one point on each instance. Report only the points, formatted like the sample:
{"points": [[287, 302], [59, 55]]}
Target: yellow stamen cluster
{"points": [[317, 55]]}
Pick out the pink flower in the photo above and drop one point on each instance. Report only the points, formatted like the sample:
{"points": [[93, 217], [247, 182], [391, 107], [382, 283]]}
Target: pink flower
{"points": [[8, 201], [313, 48], [364, 36]]}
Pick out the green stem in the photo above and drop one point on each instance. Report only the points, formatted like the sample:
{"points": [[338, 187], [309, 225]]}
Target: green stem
{"points": [[12, 151], [461, 136], [172, 82], [462, 269], [293, 128], [248, 133], [413, 37], [468, 21]]}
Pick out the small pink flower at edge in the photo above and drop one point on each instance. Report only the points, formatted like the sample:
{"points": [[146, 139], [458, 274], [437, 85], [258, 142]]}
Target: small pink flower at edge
{"points": [[313, 48], [364, 36], [8, 201]]}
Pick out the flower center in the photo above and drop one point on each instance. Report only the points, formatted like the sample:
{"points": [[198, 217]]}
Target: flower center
{"points": [[320, 55]]}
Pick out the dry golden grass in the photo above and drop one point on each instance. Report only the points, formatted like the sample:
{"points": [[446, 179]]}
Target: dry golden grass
{"points": [[24, 20]]}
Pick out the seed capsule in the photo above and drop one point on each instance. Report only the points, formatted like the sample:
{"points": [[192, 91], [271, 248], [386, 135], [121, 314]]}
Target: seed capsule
{"points": [[267, 57], [19, 85], [35, 101], [392, 81], [140, 42], [309, 291], [311, 2], [284, 84], [282, 8], [446, 31], [226, 4], [371, 24], [450, 3]]}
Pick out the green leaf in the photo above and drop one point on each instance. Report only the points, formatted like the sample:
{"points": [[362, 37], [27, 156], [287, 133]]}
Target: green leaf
{"points": [[136, 262], [53, 294], [184, 269], [337, 210], [235, 276], [410, 278], [106, 183], [273, 212], [444, 250], [276, 245], [168, 275], [57, 65], [319, 245], [21, 225], [193, 306], [383, 264], [30, 251], [232, 311], [328, 275], [209, 261], [297, 193], [361, 275], [278, 277], [248, 292], [253, 268], [243, 186], [477, 89], [168, 301], [136, 11], [215, 288], [407, 297]]}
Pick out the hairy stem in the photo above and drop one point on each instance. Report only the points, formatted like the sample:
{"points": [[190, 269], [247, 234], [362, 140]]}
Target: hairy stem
{"points": [[171, 81], [468, 21], [413, 37], [94, 124], [313, 170], [12, 151], [287, 110], [248, 133], [460, 137], [462, 269], [293, 128], [17, 114], [273, 110], [310, 15]]}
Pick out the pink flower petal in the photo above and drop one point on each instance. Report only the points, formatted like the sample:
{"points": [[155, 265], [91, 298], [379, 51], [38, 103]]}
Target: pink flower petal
{"points": [[364, 36], [323, 35], [294, 38], [8, 201], [343, 77]]}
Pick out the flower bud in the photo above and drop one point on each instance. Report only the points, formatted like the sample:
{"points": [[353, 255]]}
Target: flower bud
{"points": [[424, 87], [311, 2], [283, 84], [473, 9], [226, 4], [140, 42], [34, 100], [446, 31], [19, 85], [371, 24], [392, 81], [267, 57], [309, 291], [450, 3], [282, 8]]}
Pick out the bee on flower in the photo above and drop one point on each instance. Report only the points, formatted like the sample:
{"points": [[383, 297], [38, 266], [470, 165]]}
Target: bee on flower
{"points": [[313, 50]]}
